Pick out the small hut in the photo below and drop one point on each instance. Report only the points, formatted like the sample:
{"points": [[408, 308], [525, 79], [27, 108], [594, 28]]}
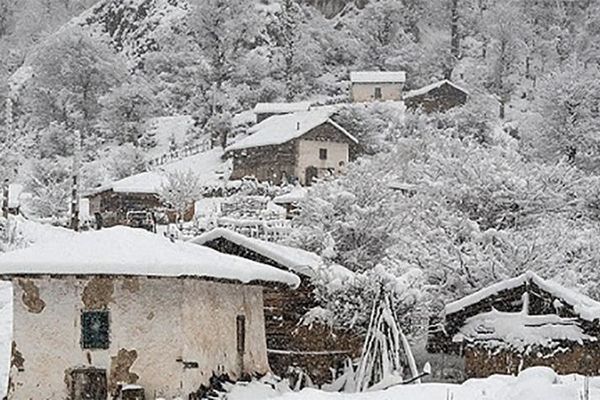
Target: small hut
{"points": [[436, 97], [519, 323]]}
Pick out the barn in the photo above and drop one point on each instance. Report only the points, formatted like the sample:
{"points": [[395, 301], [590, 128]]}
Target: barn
{"points": [[99, 310], [292, 346], [519, 323], [292, 147], [436, 97]]}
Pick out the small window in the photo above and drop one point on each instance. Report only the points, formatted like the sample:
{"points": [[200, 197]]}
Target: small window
{"points": [[378, 93], [241, 333], [322, 154], [95, 330]]}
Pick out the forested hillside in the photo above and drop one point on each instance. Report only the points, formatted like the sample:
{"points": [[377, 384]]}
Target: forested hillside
{"points": [[506, 183]]}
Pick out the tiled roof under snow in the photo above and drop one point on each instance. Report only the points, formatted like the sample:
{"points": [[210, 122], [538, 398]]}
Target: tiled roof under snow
{"points": [[281, 108], [378, 77], [280, 129], [430, 87], [297, 260], [584, 306], [127, 251]]}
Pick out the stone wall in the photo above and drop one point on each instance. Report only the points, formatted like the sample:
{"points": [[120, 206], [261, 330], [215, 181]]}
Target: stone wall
{"points": [[168, 335], [568, 358], [363, 92]]}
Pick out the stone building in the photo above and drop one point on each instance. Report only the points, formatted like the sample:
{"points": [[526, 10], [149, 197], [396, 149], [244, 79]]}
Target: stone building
{"points": [[266, 110], [376, 85], [436, 97], [519, 323], [292, 346], [292, 147], [121, 306]]}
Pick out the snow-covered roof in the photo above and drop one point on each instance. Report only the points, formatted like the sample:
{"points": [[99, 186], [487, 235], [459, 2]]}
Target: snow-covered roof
{"points": [[519, 330], [430, 87], [281, 108], [298, 193], [378, 77], [297, 260], [207, 165], [280, 129], [584, 306], [127, 251]]}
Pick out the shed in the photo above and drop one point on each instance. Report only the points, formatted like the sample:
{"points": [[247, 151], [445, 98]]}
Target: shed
{"points": [[377, 85], [97, 310], [437, 97], [266, 110], [518, 323], [140, 192], [298, 146], [315, 350]]}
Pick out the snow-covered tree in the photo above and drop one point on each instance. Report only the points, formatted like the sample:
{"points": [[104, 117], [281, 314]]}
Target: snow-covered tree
{"points": [[505, 28], [180, 191], [50, 187], [126, 109], [567, 103], [221, 30], [71, 71], [126, 160]]}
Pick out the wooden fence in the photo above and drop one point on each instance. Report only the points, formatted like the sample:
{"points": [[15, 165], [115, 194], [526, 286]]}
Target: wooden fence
{"points": [[179, 154]]}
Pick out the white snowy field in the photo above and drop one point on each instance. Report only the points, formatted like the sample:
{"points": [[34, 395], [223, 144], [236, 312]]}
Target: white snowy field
{"points": [[5, 332], [537, 383]]}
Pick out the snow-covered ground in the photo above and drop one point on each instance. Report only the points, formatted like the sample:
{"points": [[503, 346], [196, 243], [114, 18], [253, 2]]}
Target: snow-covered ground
{"points": [[5, 332], [538, 383]]}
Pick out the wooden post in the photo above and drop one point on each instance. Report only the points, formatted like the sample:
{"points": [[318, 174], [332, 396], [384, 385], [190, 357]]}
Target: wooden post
{"points": [[75, 183], [5, 197]]}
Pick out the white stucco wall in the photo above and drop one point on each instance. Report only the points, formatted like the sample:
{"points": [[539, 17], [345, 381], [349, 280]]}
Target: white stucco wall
{"points": [[163, 320], [308, 155], [362, 92]]}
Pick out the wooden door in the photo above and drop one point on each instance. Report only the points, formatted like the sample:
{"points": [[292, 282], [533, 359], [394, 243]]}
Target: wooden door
{"points": [[310, 174], [88, 384]]}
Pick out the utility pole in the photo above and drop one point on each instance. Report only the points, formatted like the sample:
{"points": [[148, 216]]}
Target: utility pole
{"points": [[75, 183], [5, 194]]}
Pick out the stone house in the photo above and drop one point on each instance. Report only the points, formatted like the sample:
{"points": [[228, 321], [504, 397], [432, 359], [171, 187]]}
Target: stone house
{"points": [[140, 192], [266, 110], [376, 85], [292, 147], [519, 323], [292, 345], [97, 310], [436, 97]]}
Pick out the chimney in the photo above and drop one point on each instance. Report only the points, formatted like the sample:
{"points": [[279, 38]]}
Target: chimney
{"points": [[298, 125]]}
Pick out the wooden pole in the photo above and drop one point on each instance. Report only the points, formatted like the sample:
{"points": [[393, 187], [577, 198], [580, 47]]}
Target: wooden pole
{"points": [[75, 183], [5, 194]]}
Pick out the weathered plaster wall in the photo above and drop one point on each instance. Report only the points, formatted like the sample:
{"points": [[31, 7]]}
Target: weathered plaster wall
{"points": [[366, 91], [308, 155], [154, 323]]}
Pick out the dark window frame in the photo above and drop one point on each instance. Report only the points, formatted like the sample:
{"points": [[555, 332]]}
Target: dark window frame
{"points": [[99, 340], [323, 154]]}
